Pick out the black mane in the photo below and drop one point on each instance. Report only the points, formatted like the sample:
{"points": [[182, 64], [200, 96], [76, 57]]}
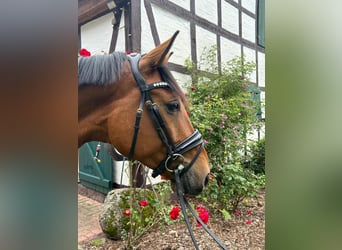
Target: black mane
{"points": [[100, 69], [105, 70]]}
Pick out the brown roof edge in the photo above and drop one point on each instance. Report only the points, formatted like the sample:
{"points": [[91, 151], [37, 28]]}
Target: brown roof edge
{"points": [[89, 9]]}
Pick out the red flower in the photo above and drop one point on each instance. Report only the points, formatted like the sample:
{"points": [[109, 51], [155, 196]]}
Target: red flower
{"points": [[143, 203], [203, 214], [127, 212], [249, 212], [237, 212], [248, 222], [174, 213], [84, 52]]}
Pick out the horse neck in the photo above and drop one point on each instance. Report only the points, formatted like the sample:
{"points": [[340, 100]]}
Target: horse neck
{"points": [[94, 104], [97, 103]]}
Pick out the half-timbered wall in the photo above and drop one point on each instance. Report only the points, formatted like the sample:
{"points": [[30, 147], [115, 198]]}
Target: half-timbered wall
{"points": [[140, 25]]}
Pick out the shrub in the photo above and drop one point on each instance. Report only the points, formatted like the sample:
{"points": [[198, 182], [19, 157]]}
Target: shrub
{"points": [[142, 209], [223, 110], [257, 157], [232, 184], [144, 212]]}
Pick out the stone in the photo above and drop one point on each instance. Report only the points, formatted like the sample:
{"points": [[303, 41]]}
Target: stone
{"points": [[111, 214], [173, 233]]}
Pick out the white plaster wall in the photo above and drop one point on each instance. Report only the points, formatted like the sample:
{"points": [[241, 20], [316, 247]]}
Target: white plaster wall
{"points": [[182, 3], [248, 28], [261, 69], [97, 34], [207, 10], [229, 50], [230, 18], [147, 42], [183, 80], [249, 5], [255, 135], [250, 56], [204, 39], [167, 24], [262, 131], [121, 40], [122, 168]]}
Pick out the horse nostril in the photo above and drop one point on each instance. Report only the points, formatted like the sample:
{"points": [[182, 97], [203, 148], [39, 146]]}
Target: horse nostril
{"points": [[206, 180]]}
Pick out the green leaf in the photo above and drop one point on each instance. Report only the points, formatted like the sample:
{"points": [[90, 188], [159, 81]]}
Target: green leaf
{"points": [[225, 214]]}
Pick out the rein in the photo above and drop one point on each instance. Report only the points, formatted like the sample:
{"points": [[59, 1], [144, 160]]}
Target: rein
{"points": [[184, 203], [174, 151]]}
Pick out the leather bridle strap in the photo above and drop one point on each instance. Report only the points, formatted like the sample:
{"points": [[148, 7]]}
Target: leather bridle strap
{"points": [[183, 202], [194, 140], [179, 189], [160, 126], [158, 122], [173, 151]]}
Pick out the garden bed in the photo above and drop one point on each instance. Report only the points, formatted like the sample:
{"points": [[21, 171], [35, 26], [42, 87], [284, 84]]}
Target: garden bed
{"points": [[245, 230]]}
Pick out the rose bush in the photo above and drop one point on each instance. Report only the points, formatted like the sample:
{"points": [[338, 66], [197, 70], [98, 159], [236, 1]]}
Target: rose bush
{"points": [[223, 109]]}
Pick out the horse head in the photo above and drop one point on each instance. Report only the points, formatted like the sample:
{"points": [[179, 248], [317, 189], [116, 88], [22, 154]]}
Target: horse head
{"points": [[143, 114]]}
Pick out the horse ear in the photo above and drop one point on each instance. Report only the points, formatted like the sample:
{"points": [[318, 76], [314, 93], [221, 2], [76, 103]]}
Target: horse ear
{"points": [[166, 58], [159, 55]]}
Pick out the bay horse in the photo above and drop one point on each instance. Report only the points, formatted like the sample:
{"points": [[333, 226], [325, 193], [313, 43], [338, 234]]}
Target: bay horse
{"points": [[114, 90]]}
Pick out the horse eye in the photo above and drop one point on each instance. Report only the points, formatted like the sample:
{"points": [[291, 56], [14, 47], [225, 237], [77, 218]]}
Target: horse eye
{"points": [[173, 106]]}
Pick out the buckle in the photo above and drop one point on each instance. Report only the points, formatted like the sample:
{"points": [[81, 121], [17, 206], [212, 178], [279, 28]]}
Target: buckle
{"points": [[174, 157]]}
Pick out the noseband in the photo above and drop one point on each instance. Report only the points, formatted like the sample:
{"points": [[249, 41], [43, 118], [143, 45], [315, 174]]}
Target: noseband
{"points": [[174, 151]]}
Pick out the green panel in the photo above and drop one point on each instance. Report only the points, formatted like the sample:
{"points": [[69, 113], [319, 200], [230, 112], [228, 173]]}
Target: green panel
{"points": [[92, 174], [261, 23]]}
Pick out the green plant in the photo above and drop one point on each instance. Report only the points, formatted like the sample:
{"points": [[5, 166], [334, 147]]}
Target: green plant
{"points": [[222, 107], [143, 209], [97, 242], [139, 217], [232, 185], [256, 161], [224, 111]]}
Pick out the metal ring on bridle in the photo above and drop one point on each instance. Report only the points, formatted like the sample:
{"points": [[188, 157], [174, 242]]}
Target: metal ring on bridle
{"points": [[174, 156]]}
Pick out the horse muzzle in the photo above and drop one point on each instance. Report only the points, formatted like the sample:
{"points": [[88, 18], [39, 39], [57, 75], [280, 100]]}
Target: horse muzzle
{"points": [[192, 183]]}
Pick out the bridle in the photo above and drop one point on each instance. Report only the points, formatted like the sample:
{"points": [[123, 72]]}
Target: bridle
{"points": [[174, 151]]}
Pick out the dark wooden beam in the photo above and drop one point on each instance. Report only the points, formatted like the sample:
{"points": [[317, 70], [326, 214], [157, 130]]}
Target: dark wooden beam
{"points": [[135, 23], [88, 9], [152, 22], [193, 34], [115, 30]]}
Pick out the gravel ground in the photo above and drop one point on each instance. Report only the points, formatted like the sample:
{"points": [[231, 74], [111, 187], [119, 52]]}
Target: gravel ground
{"points": [[245, 230]]}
